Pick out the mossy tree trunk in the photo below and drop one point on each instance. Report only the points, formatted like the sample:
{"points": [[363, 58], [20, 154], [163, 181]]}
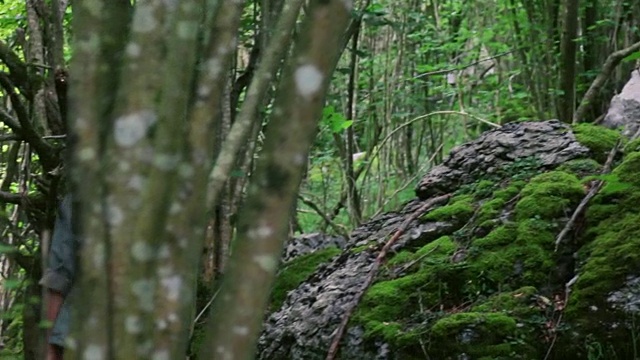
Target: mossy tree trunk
{"points": [[148, 82]]}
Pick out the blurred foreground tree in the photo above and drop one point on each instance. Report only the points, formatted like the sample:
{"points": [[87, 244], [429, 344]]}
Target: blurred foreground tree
{"points": [[147, 87]]}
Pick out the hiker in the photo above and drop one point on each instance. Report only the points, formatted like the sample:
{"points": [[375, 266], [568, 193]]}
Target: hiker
{"points": [[58, 280]]}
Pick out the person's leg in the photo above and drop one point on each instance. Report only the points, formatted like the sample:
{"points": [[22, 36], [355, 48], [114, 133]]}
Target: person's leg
{"points": [[55, 352]]}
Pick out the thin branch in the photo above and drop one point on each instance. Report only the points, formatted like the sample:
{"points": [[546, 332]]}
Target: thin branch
{"points": [[609, 65], [11, 198], [324, 216], [255, 96], [458, 68], [45, 151], [17, 68], [595, 188], [428, 205]]}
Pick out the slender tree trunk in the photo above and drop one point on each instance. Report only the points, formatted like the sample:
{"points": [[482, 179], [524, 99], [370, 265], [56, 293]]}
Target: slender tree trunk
{"points": [[567, 101]]}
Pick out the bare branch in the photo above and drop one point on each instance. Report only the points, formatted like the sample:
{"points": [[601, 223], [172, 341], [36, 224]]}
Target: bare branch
{"points": [[46, 152], [609, 65]]}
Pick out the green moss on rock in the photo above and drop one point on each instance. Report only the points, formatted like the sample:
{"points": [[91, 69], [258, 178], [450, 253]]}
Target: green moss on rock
{"points": [[476, 334], [598, 139], [517, 303], [629, 170], [459, 210], [549, 196], [581, 167], [632, 146], [296, 271], [608, 260], [388, 302]]}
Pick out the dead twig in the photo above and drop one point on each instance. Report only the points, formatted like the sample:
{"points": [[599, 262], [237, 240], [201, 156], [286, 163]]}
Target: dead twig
{"points": [[335, 343], [410, 264], [567, 291], [593, 191], [609, 65]]}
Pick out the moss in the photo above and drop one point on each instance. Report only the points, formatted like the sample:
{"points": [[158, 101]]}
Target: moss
{"points": [[401, 258], [629, 170], [490, 210], [483, 189], [493, 323], [517, 303], [390, 301], [459, 209], [598, 139], [296, 271], [632, 146], [512, 256], [500, 236], [476, 334], [549, 196], [608, 260], [361, 248], [581, 167], [510, 191]]}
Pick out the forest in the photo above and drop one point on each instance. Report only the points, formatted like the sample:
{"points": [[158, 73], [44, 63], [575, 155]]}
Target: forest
{"points": [[320, 179]]}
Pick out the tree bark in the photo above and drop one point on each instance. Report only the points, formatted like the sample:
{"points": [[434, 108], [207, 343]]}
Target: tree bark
{"points": [[237, 313], [566, 105]]}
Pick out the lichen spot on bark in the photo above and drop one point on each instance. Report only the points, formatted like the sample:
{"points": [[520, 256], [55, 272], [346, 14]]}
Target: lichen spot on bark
{"points": [[89, 44], [144, 291], [98, 255], [133, 50], [187, 29], [160, 355], [115, 215], [141, 251], [93, 352], [261, 232], [165, 162], [136, 182], [86, 154], [172, 286], [241, 330], [225, 354], [266, 262], [133, 325], [131, 128], [348, 4], [94, 8], [298, 159], [144, 20], [213, 67], [308, 80]]}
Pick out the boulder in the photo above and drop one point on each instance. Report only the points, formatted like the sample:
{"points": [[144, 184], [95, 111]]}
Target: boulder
{"points": [[624, 110], [480, 276]]}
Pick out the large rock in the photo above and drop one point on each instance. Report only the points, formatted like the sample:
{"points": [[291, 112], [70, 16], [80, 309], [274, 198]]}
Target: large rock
{"points": [[624, 110], [551, 141], [480, 277]]}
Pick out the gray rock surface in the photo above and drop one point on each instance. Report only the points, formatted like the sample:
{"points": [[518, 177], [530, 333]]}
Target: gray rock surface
{"points": [[551, 141], [303, 327], [308, 243], [624, 110]]}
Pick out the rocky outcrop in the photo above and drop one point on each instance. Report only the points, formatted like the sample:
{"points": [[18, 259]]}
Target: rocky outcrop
{"points": [[624, 110], [309, 243], [550, 141], [480, 277]]}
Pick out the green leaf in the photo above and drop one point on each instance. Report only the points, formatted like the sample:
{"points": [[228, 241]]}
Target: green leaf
{"points": [[11, 284], [632, 57], [6, 249], [335, 121]]}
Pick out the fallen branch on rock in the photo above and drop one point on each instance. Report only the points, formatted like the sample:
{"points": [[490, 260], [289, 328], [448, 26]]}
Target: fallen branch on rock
{"points": [[609, 65], [335, 343], [593, 191]]}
